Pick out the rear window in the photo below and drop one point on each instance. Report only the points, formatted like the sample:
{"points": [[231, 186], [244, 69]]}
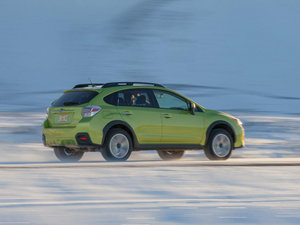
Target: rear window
{"points": [[74, 98]]}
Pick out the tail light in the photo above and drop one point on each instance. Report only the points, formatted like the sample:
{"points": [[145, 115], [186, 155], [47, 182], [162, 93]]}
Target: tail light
{"points": [[90, 111]]}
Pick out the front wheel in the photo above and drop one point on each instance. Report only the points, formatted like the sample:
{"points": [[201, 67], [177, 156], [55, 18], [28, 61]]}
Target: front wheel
{"points": [[117, 146], [170, 155], [68, 154], [219, 145]]}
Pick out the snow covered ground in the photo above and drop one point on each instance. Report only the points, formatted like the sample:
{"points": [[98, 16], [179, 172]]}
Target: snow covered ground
{"points": [[258, 185], [266, 136], [151, 195], [240, 57]]}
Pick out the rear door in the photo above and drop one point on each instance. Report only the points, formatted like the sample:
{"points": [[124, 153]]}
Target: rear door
{"points": [[179, 126], [66, 111], [139, 109]]}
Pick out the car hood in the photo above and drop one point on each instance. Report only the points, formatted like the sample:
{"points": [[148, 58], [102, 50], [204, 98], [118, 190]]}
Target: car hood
{"points": [[215, 112]]}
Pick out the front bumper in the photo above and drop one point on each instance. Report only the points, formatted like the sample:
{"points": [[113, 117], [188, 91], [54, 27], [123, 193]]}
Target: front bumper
{"points": [[240, 139]]}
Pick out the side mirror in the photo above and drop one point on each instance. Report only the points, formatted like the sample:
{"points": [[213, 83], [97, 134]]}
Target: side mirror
{"points": [[192, 108]]}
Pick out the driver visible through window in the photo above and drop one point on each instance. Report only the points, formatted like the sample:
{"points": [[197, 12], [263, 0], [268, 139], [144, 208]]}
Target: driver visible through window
{"points": [[138, 98], [132, 97]]}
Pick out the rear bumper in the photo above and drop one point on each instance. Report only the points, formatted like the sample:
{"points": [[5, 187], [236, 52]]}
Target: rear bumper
{"points": [[80, 136]]}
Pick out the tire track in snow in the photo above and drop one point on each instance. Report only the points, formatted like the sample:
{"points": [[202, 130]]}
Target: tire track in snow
{"points": [[154, 203], [156, 164]]}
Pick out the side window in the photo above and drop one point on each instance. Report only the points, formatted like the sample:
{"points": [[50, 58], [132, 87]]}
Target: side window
{"points": [[137, 98], [111, 99], [132, 97], [168, 100], [121, 99], [117, 98]]}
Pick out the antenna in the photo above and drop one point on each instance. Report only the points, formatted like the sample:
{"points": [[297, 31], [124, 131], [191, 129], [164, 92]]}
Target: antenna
{"points": [[91, 82]]}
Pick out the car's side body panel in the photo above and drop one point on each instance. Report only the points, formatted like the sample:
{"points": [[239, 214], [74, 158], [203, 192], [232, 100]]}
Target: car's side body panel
{"points": [[146, 123], [181, 127]]}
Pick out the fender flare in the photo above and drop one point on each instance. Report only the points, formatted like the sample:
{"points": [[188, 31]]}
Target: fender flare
{"points": [[122, 123], [216, 123]]}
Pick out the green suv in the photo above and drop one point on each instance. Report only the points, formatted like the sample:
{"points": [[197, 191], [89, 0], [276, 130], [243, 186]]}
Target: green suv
{"points": [[121, 117]]}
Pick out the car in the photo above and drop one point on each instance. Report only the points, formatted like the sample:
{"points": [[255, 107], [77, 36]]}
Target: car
{"points": [[120, 117]]}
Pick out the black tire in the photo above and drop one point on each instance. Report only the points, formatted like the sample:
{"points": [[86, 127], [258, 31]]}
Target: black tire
{"points": [[68, 155], [215, 152], [118, 145], [170, 154]]}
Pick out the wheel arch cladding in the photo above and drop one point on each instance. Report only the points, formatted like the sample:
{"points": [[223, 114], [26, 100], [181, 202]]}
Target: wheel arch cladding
{"points": [[220, 125], [119, 124]]}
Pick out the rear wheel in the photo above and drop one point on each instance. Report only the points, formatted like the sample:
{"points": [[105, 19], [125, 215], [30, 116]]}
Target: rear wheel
{"points": [[68, 154], [219, 145], [170, 155], [117, 146]]}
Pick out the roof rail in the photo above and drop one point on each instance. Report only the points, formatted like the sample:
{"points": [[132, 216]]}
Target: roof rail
{"points": [[116, 84], [87, 85]]}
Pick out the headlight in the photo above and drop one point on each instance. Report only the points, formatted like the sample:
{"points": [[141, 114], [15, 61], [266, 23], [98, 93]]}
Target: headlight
{"points": [[47, 112], [238, 121]]}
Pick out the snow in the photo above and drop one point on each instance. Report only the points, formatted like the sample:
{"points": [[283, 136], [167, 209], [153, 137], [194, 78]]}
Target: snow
{"points": [[240, 57], [258, 185], [151, 195]]}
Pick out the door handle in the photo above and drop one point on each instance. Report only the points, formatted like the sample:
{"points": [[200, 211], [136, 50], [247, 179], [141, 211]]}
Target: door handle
{"points": [[127, 113], [166, 115]]}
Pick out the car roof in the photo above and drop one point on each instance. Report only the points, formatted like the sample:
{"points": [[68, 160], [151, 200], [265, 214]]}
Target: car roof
{"points": [[115, 86], [112, 87]]}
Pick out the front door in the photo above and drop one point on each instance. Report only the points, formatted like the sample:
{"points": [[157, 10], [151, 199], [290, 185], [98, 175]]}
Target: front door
{"points": [[179, 126]]}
